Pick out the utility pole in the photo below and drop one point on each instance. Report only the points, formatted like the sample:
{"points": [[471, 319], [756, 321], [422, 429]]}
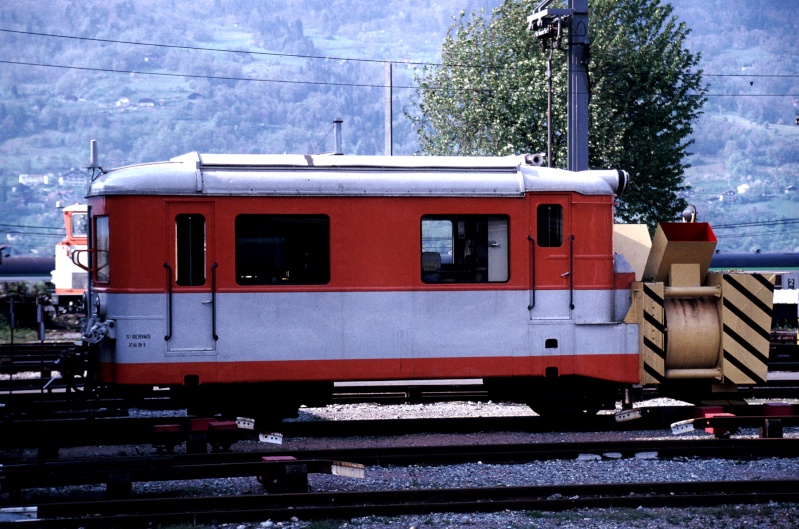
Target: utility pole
{"points": [[578, 86], [547, 24]]}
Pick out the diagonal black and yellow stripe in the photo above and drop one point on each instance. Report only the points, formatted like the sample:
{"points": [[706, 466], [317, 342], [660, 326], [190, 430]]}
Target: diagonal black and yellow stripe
{"points": [[653, 331], [746, 323]]}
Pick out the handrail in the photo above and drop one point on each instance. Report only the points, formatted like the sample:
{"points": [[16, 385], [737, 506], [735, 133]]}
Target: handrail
{"points": [[75, 258], [532, 273], [169, 299], [571, 272], [213, 301]]}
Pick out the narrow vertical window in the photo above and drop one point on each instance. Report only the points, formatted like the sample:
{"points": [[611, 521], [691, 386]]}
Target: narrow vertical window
{"points": [[102, 274], [190, 249], [550, 225]]}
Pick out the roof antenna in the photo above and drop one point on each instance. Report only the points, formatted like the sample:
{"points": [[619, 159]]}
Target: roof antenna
{"points": [[337, 124], [94, 164]]}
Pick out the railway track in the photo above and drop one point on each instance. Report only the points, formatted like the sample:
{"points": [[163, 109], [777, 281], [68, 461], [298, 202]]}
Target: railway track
{"points": [[49, 436], [82, 471], [30, 401], [344, 506], [105, 427], [321, 505]]}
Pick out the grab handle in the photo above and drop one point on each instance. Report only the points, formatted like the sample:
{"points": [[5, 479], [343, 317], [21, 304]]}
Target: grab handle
{"points": [[532, 273], [213, 301], [169, 300]]}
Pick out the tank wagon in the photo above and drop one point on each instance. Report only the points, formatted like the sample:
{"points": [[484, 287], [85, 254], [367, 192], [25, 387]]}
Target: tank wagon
{"points": [[249, 284]]}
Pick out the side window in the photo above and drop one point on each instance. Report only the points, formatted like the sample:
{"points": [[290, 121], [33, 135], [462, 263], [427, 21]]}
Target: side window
{"points": [[102, 274], [282, 249], [190, 249], [464, 249], [550, 225]]}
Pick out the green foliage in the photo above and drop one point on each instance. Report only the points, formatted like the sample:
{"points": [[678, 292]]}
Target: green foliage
{"points": [[489, 96]]}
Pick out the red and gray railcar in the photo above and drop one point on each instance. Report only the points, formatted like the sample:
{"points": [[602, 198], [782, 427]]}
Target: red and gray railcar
{"points": [[252, 283]]}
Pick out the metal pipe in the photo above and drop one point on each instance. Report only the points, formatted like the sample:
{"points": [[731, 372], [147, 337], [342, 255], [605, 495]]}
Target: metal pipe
{"points": [[686, 374], [337, 123], [693, 292]]}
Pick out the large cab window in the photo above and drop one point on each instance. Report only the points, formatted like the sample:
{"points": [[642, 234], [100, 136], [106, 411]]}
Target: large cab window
{"points": [[282, 249], [464, 249]]}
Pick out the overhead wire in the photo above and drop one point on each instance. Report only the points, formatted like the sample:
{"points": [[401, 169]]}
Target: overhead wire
{"points": [[307, 56], [319, 57], [24, 226], [756, 223]]}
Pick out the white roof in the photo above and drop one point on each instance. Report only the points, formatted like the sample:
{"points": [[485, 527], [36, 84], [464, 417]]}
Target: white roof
{"points": [[326, 175]]}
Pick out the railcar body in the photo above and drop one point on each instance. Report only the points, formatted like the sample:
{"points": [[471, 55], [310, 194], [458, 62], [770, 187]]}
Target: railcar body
{"points": [[229, 272], [251, 283]]}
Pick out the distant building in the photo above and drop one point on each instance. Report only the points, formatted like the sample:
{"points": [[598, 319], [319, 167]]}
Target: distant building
{"points": [[123, 102], [29, 179], [73, 178], [146, 102]]}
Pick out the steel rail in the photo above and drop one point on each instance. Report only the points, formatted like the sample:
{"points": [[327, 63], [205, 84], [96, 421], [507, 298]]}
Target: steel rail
{"points": [[316, 506], [126, 431], [16, 477], [106, 429]]}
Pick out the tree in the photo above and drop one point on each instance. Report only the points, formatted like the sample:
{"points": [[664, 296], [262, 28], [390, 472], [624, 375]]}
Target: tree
{"points": [[488, 96]]}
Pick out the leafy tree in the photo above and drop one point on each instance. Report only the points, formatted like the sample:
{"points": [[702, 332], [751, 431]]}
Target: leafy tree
{"points": [[488, 97]]}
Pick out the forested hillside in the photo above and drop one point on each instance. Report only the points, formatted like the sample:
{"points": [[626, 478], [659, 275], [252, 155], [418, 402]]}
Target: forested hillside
{"points": [[257, 76], [746, 155]]}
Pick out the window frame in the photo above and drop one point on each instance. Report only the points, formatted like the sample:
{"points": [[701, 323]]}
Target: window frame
{"points": [[298, 246], [102, 243], [191, 248], [549, 227], [473, 256]]}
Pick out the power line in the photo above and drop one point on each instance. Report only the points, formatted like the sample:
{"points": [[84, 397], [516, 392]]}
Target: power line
{"points": [[753, 75], [222, 50], [756, 234], [322, 57], [756, 223], [312, 83], [38, 235], [198, 76], [61, 229]]}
